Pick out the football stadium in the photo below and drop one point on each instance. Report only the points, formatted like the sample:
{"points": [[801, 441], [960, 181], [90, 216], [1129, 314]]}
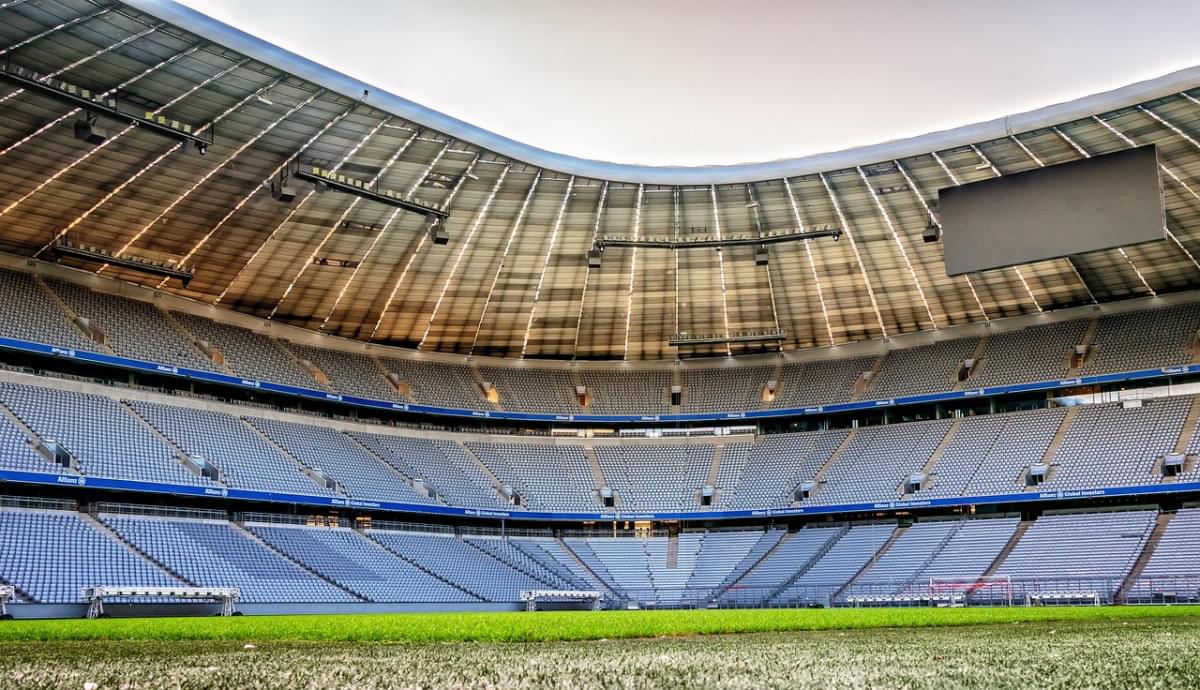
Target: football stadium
{"points": [[306, 384]]}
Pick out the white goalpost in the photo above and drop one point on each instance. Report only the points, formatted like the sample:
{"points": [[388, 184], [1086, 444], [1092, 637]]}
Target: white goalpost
{"points": [[991, 590]]}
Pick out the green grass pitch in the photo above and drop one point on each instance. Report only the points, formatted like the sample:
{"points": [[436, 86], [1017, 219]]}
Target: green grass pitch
{"points": [[995, 648]]}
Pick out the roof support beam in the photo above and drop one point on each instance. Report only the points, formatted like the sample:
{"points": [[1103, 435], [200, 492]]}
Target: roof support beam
{"points": [[150, 166], [716, 213], [837, 208], [88, 58], [57, 27], [537, 291], [480, 216], [752, 203], [296, 209], [263, 184], [91, 152], [1074, 266], [1170, 173], [812, 264], [587, 267], [387, 166], [1121, 250], [920, 195], [424, 239], [887, 220], [954, 178], [637, 231], [128, 82], [517, 223], [676, 215]]}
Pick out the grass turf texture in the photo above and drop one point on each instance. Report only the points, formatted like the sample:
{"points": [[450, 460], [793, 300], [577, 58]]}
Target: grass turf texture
{"points": [[1120, 651], [554, 626]]}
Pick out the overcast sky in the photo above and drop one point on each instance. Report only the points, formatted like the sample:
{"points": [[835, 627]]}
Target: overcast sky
{"points": [[693, 82]]}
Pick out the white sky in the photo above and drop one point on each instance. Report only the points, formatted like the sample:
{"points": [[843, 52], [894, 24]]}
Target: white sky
{"points": [[694, 82]]}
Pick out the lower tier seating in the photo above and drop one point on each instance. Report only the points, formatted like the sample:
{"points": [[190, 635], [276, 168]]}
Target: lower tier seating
{"points": [[48, 555]]}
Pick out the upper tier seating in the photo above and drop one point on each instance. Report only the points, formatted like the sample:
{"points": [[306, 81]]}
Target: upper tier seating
{"points": [[530, 389], [438, 383], [1129, 341], [1038, 353], [633, 391], [29, 312], [250, 354], [720, 389], [244, 458], [104, 437], [211, 553], [133, 328], [51, 554], [1144, 339], [819, 382], [349, 373], [924, 369]]}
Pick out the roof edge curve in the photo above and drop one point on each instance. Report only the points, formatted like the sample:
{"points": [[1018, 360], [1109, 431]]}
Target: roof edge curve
{"points": [[196, 22]]}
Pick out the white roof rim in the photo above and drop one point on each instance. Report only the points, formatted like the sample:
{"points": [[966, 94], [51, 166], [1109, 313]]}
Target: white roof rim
{"points": [[298, 66]]}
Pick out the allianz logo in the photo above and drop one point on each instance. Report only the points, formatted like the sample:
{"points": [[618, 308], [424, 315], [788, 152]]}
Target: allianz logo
{"points": [[77, 481], [216, 492], [332, 396], [169, 370], [63, 352], [882, 403]]}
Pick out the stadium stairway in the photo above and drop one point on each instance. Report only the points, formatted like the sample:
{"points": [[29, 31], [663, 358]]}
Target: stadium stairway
{"points": [[1156, 535], [93, 335], [180, 453], [979, 355], [548, 578], [496, 482], [864, 382], [101, 526], [400, 474], [1060, 435], [808, 565], [597, 472], [887, 546], [763, 549], [604, 578], [819, 476], [1017, 535], [1189, 426], [421, 567], [303, 468], [249, 534], [934, 457], [1073, 364]]}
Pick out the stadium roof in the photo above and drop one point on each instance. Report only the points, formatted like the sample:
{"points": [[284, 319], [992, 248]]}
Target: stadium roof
{"points": [[513, 279]]}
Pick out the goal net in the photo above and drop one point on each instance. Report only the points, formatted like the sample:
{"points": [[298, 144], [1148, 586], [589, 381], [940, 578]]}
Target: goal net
{"points": [[995, 590]]}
